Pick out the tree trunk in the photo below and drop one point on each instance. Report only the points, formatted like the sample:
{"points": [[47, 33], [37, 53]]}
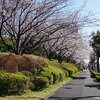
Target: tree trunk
{"points": [[92, 66], [98, 64], [60, 60]]}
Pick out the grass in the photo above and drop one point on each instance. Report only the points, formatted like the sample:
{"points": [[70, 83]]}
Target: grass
{"points": [[38, 95]]}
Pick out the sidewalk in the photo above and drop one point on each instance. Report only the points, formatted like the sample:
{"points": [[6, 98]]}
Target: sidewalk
{"points": [[82, 87]]}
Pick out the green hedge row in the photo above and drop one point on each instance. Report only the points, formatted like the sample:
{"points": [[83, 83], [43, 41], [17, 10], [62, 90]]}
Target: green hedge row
{"points": [[69, 69], [48, 75], [35, 79], [51, 75], [40, 83], [96, 75], [98, 78], [13, 83]]}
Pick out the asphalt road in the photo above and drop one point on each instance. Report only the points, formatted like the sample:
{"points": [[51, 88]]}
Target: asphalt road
{"points": [[82, 87]]}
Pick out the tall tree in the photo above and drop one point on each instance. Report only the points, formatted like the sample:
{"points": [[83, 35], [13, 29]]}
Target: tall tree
{"points": [[29, 23], [95, 43], [23, 21], [92, 61]]}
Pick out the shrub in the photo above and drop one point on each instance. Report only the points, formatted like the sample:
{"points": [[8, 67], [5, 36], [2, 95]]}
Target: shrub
{"points": [[3, 47], [28, 74], [54, 74], [71, 68], [98, 78], [34, 71], [61, 77], [21, 82], [55, 77], [94, 73], [48, 75], [70, 72], [13, 83], [80, 69], [40, 83], [3, 71], [58, 74], [66, 73]]}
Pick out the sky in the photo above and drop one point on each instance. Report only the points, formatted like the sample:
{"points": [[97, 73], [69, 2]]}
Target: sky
{"points": [[92, 6]]}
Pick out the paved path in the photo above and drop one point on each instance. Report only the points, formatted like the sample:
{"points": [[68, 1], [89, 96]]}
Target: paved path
{"points": [[83, 87]]}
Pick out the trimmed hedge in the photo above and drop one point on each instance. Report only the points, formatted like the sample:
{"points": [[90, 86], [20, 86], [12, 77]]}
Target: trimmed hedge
{"points": [[28, 74], [98, 78], [40, 83], [40, 73], [48, 75], [71, 68], [94, 73], [34, 71], [13, 83], [66, 72], [58, 74]]}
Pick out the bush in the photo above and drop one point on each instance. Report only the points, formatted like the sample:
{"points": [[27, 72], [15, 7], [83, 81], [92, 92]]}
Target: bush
{"points": [[3, 71], [48, 75], [3, 47], [80, 69], [98, 78], [13, 83], [58, 74], [66, 73], [40, 83], [21, 82], [94, 73], [71, 68], [61, 77], [55, 77], [34, 71], [28, 74], [70, 72]]}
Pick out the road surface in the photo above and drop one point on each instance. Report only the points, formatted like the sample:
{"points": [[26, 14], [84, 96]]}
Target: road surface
{"points": [[82, 87]]}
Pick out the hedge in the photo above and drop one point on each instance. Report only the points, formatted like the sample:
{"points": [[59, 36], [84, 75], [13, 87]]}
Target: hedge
{"points": [[66, 72], [48, 75], [13, 83], [28, 74], [71, 68], [58, 73], [94, 73], [40, 83], [98, 78]]}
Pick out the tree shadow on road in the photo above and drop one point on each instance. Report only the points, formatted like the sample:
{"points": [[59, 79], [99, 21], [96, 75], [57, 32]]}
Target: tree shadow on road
{"points": [[73, 98], [79, 78], [93, 86]]}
